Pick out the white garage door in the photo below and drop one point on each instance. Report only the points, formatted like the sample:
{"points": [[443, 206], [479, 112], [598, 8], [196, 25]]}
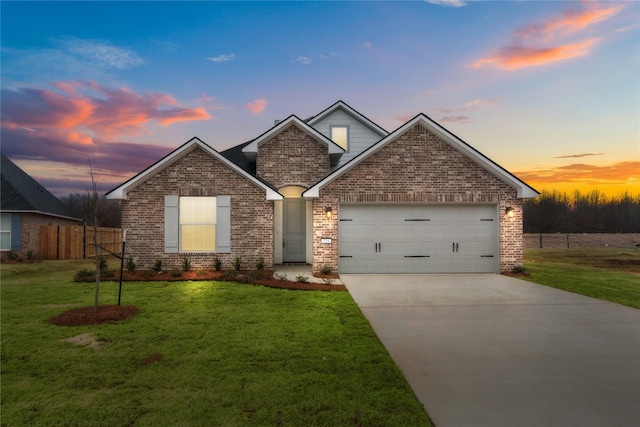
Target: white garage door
{"points": [[418, 239]]}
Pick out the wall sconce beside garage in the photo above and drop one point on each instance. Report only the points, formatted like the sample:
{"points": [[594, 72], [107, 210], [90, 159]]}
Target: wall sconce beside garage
{"points": [[509, 212], [329, 212]]}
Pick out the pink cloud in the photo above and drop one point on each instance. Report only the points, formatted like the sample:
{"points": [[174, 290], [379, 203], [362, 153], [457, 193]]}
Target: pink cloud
{"points": [[88, 109], [548, 41], [570, 21], [404, 118], [515, 57], [455, 119], [257, 106], [77, 121]]}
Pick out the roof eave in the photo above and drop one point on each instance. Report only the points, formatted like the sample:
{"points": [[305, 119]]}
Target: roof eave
{"points": [[121, 191], [523, 190], [355, 114], [251, 149], [72, 218]]}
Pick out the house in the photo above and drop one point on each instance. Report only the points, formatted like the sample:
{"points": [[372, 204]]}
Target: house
{"points": [[334, 190], [25, 205]]}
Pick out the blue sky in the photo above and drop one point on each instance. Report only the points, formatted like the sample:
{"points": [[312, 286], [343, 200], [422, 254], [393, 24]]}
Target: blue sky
{"points": [[549, 90]]}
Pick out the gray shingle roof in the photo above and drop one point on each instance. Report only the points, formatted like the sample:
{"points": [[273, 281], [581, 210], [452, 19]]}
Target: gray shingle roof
{"points": [[21, 193]]}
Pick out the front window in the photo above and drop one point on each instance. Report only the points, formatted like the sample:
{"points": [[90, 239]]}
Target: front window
{"points": [[5, 232], [197, 224], [340, 135]]}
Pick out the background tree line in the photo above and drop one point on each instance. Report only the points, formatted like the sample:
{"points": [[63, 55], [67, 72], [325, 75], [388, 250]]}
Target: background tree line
{"points": [[594, 212], [94, 206], [551, 212]]}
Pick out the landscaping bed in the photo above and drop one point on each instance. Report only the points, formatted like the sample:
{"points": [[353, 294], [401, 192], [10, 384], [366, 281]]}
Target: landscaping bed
{"points": [[87, 315], [254, 277]]}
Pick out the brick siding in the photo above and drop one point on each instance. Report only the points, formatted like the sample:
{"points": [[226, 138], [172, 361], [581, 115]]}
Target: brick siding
{"points": [[198, 174], [292, 158], [418, 167]]}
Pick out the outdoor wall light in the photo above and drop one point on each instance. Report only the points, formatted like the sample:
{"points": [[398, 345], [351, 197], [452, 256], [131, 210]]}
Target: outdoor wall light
{"points": [[329, 212], [509, 212]]}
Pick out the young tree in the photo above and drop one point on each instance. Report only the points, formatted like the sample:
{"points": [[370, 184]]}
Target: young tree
{"points": [[94, 204]]}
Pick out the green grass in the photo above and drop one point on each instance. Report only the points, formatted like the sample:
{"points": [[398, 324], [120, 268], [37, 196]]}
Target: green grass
{"points": [[605, 273], [232, 355]]}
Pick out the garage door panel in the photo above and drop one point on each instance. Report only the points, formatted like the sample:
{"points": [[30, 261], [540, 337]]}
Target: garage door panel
{"points": [[418, 238]]}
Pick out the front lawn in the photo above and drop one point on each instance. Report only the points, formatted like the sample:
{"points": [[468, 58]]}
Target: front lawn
{"points": [[197, 353], [609, 274]]}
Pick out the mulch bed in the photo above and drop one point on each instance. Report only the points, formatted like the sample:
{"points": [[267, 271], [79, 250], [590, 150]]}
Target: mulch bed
{"points": [[263, 278], [86, 316]]}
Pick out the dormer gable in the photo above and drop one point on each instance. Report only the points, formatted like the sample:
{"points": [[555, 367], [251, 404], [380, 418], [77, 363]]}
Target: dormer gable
{"points": [[348, 128], [334, 150]]}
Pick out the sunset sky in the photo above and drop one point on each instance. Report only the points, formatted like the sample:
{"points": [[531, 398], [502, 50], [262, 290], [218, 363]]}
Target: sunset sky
{"points": [[549, 90]]}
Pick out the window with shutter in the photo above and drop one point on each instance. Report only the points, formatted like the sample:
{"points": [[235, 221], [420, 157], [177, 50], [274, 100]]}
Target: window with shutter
{"points": [[197, 224]]}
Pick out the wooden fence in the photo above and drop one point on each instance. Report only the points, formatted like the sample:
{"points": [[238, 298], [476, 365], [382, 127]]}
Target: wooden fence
{"points": [[77, 242]]}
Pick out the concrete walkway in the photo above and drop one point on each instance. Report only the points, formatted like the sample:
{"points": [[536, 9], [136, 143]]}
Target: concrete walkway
{"points": [[490, 350]]}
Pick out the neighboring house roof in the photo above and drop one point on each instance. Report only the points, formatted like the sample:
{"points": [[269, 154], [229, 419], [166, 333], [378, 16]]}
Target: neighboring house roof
{"points": [[341, 105], [121, 191], [335, 151], [524, 190], [19, 192]]}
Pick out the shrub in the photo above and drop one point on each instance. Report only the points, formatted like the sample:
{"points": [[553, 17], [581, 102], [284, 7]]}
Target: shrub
{"points": [[130, 264], [281, 276], [157, 266], [176, 272], [102, 260], [327, 280], [12, 255], [260, 264], [84, 274], [217, 263], [325, 270], [186, 264], [237, 263], [201, 273], [30, 255], [254, 276], [518, 269], [302, 278]]}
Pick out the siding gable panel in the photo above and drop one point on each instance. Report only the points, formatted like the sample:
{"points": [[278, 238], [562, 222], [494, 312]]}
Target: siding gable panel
{"points": [[361, 137]]}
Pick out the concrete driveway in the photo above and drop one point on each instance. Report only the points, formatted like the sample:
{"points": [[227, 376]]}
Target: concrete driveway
{"points": [[490, 350]]}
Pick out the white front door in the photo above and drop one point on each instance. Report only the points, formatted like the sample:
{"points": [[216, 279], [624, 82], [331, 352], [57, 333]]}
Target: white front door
{"points": [[294, 230]]}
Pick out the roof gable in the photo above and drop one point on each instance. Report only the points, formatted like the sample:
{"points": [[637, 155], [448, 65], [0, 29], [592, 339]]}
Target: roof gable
{"points": [[341, 105], [121, 191], [251, 149], [523, 190], [22, 193]]}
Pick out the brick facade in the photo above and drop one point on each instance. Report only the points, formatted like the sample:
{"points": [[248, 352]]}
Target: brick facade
{"points": [[198, 174], [292, 158], [418, 167]]}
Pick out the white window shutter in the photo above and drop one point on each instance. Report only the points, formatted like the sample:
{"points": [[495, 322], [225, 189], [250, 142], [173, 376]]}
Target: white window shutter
{"points": [[171, 224], [223, 224]]}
